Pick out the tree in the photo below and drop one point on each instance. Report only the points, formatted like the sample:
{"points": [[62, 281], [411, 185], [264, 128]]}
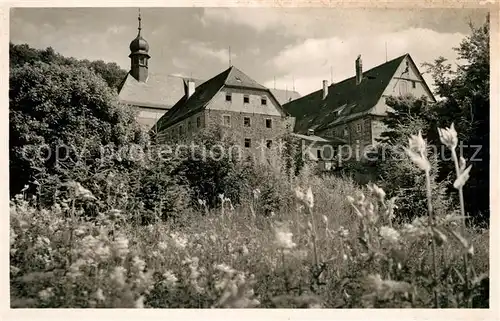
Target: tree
{"points": [[397, 174], [466, 103], [22, 54], [61, 115]]}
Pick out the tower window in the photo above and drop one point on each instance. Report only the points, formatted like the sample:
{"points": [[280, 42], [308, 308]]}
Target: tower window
{"points": [[142, 60], [246, 99], [246, 121], [269, 123]]}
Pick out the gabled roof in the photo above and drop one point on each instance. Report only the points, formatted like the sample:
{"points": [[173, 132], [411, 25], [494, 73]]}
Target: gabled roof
{"points": [[158, 91], [185, 107], [344, 99], [285, 96]]}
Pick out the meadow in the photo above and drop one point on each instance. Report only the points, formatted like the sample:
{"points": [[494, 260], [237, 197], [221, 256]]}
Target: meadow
{"points": [[331, 244]]}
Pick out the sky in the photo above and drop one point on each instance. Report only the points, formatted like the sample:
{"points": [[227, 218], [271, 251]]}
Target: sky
{"points": [[286, 48]]}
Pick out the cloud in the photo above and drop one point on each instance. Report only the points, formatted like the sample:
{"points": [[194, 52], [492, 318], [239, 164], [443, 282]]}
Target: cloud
{"points": [[312, 60], [204, 50]]}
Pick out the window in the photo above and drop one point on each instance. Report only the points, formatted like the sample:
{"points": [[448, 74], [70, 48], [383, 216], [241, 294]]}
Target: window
{"points": [[318, 153], [269, 123], [269, 143], [403, 87], [358, 128], [198, 122], [263, 101], [142, 60], [180, 130], [248, 142], [246, 121], [413, 84], [246, 99], [226, 120], [189, 126], [228, 96]]}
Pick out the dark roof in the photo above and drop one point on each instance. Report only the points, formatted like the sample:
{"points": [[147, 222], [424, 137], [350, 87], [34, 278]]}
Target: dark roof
{"points": [[312, 111], [158, 91], [185, 107]]}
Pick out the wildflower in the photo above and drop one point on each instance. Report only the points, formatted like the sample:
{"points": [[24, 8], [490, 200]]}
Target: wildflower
{"points": [[462, 178], [377, 191], [120, 246], [139, 303], [46, 294], [102, 252], [138, 264], [74, 269], [284, 239], [99, 295], [299, 194], [343, 232], [256, 193], [244, 250], [169, 278], [180, 241], [225, 268], [448, 136], [118, 275], [389, 234], [162, 246], [417, 151]]}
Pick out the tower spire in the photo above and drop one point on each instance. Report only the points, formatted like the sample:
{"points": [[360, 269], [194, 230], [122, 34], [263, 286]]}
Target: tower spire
{"points": [[139, 18]]}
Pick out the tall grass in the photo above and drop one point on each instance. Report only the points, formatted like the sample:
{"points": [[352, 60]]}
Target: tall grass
{"points": [[333, 245]]}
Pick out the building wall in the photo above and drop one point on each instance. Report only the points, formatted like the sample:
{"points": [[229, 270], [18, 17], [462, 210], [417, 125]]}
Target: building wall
{"points": [[401, 84], [236, 104], [147, 117]]}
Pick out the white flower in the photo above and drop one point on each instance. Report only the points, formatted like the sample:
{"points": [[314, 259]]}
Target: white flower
{"points": [[284, 239], [225, 268], [389, 234], [417, 143], [118, 275], [139, 303], [99, 295], [180, 241], [309, 198], [448, 136], [169, 278], [120, 246], [162, 246], [417, 151], [46, 294]]}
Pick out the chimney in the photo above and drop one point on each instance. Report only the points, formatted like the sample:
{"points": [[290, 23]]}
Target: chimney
{"points": [[190, 89], [310, 132], [359, 70], [325, 88]]}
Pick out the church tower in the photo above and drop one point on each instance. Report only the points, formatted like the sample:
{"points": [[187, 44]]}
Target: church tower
{"points": [[139, 56]]}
